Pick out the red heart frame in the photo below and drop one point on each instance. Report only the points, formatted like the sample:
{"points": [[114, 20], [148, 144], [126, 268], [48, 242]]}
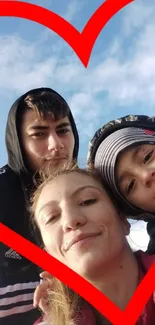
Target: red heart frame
{"points": [[81, 43], [80, 285]]}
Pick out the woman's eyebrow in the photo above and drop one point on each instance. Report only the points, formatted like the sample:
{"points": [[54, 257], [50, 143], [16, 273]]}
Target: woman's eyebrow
{"points": [[80, 189], [46, 205]]}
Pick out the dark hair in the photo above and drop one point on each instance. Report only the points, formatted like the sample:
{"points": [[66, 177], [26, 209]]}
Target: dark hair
{"points": [[44, 102]]}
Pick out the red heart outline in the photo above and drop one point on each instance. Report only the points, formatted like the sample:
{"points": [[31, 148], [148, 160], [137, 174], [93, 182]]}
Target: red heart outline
{"points": [[80, 285], [81, 43]]}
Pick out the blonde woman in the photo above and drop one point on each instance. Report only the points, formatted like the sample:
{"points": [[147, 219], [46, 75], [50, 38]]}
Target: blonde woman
{"points": [[81, 227]]}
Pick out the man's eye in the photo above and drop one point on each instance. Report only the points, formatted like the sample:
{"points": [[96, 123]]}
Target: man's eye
{"points": [[38, 134], [63, 131], [88, 202], [147, 157], [130, 186]]}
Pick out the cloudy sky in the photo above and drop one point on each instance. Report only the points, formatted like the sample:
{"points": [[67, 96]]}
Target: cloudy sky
{"points": [[120, 78]]}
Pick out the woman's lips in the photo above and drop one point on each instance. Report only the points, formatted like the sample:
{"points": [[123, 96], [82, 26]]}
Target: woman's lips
{"points": [[81, 238]]}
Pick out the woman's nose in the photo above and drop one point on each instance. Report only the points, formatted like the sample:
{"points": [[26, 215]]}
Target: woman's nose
{"points": [[72, 221]]}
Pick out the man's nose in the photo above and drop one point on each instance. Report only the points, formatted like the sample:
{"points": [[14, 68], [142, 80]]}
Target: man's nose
{"points": [[54, 142]]}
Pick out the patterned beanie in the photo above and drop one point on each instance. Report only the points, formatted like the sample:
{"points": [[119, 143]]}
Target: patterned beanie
{"points": [[110, 148]]}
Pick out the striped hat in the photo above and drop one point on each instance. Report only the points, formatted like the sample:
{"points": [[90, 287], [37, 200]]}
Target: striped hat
{"points": [[109, 150]]}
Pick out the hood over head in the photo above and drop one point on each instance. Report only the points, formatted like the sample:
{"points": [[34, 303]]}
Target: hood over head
{"points": [[16, 159]]}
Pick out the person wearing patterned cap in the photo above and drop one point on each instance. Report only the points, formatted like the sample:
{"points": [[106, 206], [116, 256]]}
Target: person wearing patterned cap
{"points": [[123, 151]]}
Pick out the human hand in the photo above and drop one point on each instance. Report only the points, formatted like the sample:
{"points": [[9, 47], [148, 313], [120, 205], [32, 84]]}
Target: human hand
{"points": [[40, 298]]}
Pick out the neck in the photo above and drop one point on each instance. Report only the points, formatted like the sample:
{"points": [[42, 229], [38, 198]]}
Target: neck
{"points": [[119, 281]]}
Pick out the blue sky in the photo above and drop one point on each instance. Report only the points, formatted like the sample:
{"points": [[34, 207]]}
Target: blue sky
{"points": [[120, 78]]}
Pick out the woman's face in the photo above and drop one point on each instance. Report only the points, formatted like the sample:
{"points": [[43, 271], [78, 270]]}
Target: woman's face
{"points": [[135, 172], [79, 224]]}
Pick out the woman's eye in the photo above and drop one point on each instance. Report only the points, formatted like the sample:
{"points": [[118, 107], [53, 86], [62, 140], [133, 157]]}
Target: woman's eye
{"points": [[51, 219], [147, 157], [130, 186], [88, 202]]}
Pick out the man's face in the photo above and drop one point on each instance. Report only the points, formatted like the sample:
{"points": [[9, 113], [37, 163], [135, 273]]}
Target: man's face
{"points": [[44, 139]]}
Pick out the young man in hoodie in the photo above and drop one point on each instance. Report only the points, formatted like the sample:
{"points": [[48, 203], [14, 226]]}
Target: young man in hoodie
{"points": [[40, 128]]}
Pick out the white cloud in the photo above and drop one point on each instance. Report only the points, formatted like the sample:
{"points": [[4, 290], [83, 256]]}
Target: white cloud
{"points": [[123, 75], [86, 112], [137, 15], [21, 66], [72, 10]]}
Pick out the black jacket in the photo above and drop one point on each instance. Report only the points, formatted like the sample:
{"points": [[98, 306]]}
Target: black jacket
{"points": [[18, 276]]}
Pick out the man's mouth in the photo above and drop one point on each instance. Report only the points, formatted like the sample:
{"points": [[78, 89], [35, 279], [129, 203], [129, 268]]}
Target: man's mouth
{"points": [[55, 158]]}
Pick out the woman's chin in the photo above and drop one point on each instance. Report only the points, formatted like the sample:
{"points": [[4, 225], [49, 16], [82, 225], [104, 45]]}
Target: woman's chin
{"points": [[86, 265]]}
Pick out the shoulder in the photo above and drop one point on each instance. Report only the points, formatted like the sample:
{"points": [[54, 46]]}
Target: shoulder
{"points": [[5, 176], [4, 170], [10, 190], [145, 259], [8, 176]]}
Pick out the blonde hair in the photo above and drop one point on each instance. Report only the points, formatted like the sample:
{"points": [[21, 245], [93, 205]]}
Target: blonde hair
{"points": [[63, 302], [51, 171]]}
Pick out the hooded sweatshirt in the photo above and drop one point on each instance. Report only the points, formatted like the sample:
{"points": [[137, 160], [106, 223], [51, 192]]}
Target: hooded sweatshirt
{"points": [[137, 121], [18, 276]]}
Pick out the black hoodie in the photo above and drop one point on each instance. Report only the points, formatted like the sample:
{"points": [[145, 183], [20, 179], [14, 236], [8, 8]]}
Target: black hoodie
{"points": [[16, 184]]}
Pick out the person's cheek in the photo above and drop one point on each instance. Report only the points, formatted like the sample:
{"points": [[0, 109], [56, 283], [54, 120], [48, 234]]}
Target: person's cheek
{"points": [[53, 245], [32, 147], [47, 240], [105, 216], [71, 142], [37, 148]]}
